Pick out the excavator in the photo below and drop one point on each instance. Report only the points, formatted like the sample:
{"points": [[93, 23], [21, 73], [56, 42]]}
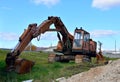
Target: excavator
{"points": [[78, 47]]}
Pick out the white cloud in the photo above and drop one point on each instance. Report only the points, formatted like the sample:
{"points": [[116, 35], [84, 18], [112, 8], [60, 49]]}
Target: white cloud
{"points": [[46, 2], [49, 36], [8, 36], [103, 33], [47, 39], [5, 8], [105, 4]]}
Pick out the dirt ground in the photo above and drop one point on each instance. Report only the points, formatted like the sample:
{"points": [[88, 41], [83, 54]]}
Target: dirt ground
{"points": [[107, 73]]}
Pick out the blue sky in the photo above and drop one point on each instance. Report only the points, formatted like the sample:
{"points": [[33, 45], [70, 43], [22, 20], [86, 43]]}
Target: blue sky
{"points": [[99, 17]]}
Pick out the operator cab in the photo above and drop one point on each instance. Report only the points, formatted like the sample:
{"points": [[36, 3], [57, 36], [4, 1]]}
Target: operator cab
{"points": [[81, 41]]}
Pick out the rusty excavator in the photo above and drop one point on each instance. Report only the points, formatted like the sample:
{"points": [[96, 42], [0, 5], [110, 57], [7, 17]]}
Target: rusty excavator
{"points": [[78, 47]]}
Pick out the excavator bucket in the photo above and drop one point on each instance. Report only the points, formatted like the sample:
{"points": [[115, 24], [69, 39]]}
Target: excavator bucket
{"points": [[23, 66]]}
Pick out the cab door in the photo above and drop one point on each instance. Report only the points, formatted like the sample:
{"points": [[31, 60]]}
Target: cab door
{"points": [[77, 42], [86, 42]]}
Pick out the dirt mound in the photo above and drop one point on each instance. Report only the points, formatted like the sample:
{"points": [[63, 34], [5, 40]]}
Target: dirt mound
{"points": [[107, 73]]}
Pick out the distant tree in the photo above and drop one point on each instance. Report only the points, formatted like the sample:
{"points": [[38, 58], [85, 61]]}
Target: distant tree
{"points": [[31, 47]]}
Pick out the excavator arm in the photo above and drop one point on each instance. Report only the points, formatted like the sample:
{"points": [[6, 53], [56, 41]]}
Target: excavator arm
{"points": [[24, 40], [34, 31]]}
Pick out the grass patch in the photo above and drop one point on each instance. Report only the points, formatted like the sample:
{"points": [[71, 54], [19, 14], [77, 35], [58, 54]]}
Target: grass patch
{"points": [[42, 70], [108, 58]]}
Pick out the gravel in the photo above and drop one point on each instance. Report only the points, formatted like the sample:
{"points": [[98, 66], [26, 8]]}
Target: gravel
{"points": [[107, 73]]}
